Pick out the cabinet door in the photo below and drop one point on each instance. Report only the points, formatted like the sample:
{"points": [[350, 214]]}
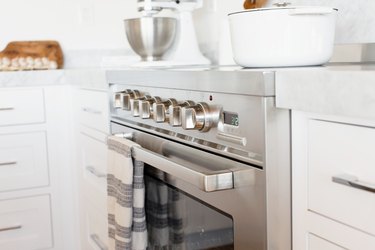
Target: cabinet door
{"points": [[94, 169], [317, 243], [25, 224], [337, 151], [95, 228], [21, 106], [93, 109], [23, 161]]}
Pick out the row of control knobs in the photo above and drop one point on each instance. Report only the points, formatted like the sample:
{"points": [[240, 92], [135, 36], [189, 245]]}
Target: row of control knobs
{"points": [[187, 114]]}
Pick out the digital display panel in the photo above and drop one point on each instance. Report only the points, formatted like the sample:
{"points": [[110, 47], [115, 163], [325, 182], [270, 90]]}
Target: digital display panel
{"points": [[231, 118]]}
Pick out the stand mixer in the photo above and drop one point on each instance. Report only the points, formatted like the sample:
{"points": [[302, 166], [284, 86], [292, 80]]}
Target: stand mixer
{"points": [[184, 49]]}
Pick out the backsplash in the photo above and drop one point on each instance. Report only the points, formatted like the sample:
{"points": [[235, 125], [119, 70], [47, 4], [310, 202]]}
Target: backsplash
{"points": [[98, 25], [355, 23]]}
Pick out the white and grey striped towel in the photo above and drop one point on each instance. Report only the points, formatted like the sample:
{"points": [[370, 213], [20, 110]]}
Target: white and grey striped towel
{"points": [[126, 197]]}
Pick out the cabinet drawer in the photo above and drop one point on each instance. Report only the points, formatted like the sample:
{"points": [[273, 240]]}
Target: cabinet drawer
{"points": [[317, 243], [23, 161], [95, 229], [25, 223], [94, 177], [93, 109], [336, 149], [23, 106]]}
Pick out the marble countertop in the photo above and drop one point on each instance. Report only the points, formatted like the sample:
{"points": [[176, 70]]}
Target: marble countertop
{"points": [[87, 78], [336, 89]]}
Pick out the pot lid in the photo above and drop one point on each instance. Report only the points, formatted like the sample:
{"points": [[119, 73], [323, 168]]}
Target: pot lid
{"points": [[287, 6]]}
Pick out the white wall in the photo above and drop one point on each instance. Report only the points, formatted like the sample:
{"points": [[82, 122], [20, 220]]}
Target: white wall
{"points": [[97, 24], [76, 24]]}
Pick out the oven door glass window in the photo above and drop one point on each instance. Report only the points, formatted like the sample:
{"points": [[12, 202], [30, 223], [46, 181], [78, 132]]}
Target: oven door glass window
{"points": [[175, 220]]}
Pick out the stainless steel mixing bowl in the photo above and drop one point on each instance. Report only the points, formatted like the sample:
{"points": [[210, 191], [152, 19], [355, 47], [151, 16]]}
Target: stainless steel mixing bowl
{"points": [[151, 37]]}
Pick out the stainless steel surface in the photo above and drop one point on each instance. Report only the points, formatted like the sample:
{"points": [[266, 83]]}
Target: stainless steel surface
{"points": [[352, 181], [162, 155], [248, 108], [6, 108], [95, 172], [98, 242], [146, 107], [175, 113], [150, 37], [201, 116], [248, 140], [228, 80], [161, 110], [8, 163], [10, 228], [245, 202], [123, 99]]}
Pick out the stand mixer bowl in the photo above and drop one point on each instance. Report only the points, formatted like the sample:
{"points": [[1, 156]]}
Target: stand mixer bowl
{"points": [[151, 37]]}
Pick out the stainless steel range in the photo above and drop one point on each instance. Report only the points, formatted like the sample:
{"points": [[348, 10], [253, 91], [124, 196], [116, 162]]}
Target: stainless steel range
{"points": [[213, 140]]}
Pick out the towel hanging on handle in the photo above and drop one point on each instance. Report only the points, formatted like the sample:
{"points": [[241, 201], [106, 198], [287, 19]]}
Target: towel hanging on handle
{"points": [[126, 197]]}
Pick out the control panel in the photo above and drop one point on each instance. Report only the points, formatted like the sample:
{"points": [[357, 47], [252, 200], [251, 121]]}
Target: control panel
{"points": [[186, 114]]}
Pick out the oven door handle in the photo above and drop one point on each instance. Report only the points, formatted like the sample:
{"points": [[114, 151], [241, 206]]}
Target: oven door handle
{"points": [[208, 182]]}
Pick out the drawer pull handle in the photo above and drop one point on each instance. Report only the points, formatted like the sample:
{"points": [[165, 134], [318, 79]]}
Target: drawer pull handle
{"points": [[352, 181], [6, 108], [8, 163], [98, 242], [91, 111], [95, 172], [10, 228]]}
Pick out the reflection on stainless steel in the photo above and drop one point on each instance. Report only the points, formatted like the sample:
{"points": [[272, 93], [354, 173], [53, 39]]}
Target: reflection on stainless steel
{"points": [[250, 157], [195, 225], [150, 37]]}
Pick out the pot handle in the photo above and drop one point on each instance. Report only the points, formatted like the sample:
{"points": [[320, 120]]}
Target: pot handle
{"points": [[311, 11]]}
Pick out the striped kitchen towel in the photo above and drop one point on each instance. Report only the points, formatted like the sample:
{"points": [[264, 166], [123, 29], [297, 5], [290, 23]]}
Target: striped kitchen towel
{"points": [[126, 197], [165, 209]]}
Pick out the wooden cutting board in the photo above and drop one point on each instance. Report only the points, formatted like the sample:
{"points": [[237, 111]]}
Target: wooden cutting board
{"points": [[252, 4], [40, 52]]}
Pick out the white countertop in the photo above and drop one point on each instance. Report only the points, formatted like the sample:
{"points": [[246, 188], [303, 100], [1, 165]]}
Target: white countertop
{"points": [[336, 89], [87, 78]]}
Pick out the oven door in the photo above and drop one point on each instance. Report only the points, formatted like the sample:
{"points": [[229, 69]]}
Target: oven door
{"points": [[196, 199]]}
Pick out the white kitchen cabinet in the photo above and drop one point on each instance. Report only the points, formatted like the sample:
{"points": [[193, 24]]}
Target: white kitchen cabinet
{"points": [[92, 129], [37, 204], [25, 223], [21, 106], [326, 213], [23, 161]]}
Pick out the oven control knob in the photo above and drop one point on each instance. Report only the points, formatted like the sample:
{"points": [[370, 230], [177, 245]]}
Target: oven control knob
{"points": [[122, 99], [136, 104], [161, 109], [146, 106], [201, 117], [175, 113], [118, 99], [128, 97]]}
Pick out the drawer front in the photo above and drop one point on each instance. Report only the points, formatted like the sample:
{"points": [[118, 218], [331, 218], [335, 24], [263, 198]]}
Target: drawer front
{"points": [[23, 106], [95, 229], [23, 161], [94, 164], [317, 243], [94, 110], [26, 223], [335, 149]]}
